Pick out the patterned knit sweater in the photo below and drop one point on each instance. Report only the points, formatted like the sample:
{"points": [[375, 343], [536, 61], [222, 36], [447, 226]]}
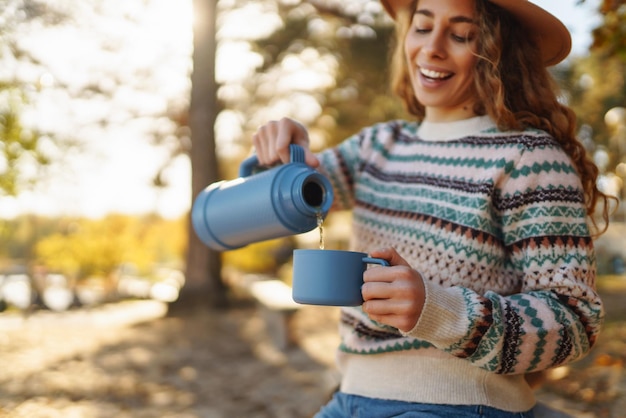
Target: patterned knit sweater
{"points": [[495, 223]]}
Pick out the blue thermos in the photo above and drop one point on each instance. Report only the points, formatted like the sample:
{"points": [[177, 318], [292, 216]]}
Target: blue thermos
{"points": [[285, 200]]}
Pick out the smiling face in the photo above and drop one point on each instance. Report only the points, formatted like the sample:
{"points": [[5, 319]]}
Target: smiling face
{"points": [[440, 51]]}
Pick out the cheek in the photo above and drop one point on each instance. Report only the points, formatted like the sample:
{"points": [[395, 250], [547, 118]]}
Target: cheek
{"points": [[468, 64], [469, 57], [410, 48]]}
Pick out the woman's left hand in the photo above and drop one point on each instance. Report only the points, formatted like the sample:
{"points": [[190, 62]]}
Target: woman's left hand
{"points": [[393, 295]]}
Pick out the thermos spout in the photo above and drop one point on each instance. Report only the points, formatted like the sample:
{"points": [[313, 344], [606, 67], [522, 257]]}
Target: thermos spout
{"points": [[313, 193]]}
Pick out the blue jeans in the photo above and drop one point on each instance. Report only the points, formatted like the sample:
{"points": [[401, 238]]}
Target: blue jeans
{"points": [[352, 406]]}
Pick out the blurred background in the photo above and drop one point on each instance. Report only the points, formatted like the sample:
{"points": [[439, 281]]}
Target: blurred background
{"points": [[115, 114]]}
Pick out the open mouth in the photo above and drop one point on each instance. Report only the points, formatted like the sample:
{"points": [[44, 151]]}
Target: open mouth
{"points": [[435, 75]]}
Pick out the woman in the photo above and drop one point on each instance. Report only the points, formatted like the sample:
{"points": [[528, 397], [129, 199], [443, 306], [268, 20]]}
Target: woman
{"points": [[482, 205]]}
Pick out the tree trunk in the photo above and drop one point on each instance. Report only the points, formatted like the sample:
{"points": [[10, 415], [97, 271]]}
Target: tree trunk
{"points": [[204, 286]]}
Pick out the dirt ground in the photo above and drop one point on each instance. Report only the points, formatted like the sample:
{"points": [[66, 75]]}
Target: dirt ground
{"points": [[130, 359]]}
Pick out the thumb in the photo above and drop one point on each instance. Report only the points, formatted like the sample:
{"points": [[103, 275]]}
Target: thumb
{"points": [[311, 159]]}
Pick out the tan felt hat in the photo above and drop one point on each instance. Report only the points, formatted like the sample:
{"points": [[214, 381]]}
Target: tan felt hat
{"points": [[551, 35]]}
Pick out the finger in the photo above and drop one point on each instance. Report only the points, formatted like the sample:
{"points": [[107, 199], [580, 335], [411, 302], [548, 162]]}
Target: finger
{"points": [[388, 307], [288, 132], [399, 314], [391, 255], [377, 307], [259, 148], [263, 141], [376, 290], [386, 274], [400, 322]]}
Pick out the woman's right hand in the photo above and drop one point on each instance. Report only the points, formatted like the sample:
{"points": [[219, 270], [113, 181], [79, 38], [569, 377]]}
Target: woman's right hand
{"points": [[271, 142]]}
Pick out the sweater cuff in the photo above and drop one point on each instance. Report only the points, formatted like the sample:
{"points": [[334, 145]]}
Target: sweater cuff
{"points": [[444, 320]]}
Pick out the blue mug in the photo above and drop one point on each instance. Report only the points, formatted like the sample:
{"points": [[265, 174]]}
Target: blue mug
{"points": [[330, 277]]}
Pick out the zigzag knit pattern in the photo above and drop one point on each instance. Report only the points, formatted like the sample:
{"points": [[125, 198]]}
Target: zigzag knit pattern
{"points": [[495, 223]]}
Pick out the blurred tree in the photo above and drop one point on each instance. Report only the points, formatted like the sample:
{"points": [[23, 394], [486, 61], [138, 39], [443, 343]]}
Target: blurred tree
{"points": [[20, 147], [610, 36], [82, 248], [91, 248], [25, 151], [594, 84], [91, 70], [203, 285], [324, 63], [19, 236]]}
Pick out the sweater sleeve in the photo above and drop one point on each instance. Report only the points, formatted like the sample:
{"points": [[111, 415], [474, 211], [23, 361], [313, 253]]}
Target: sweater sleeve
{"points": [[556, 316], [342, 163]]}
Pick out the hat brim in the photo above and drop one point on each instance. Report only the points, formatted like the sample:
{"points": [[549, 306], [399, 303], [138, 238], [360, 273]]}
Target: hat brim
{"points": [[550, 33]]}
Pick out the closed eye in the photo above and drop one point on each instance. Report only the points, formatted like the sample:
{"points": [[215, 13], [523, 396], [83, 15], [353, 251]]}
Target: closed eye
{"points": [[461, 39]]}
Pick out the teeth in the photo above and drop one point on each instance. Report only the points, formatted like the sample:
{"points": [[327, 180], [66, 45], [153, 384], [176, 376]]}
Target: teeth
{"points": [[433, 74]]}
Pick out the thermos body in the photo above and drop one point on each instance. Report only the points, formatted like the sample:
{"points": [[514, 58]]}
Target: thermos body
{"points": [[285, 200]]}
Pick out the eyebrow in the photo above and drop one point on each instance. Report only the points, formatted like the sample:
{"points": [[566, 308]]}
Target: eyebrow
{"points": [[455, 19]]}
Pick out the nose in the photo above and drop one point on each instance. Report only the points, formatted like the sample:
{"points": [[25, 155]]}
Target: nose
{"points": [[435, 45]]}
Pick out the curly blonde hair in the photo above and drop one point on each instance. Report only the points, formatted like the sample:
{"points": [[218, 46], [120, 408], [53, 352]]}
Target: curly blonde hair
{"points": [[514, 87]]}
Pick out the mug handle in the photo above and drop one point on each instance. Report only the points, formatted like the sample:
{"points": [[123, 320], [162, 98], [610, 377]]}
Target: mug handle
{"points": [[380, 261]]}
